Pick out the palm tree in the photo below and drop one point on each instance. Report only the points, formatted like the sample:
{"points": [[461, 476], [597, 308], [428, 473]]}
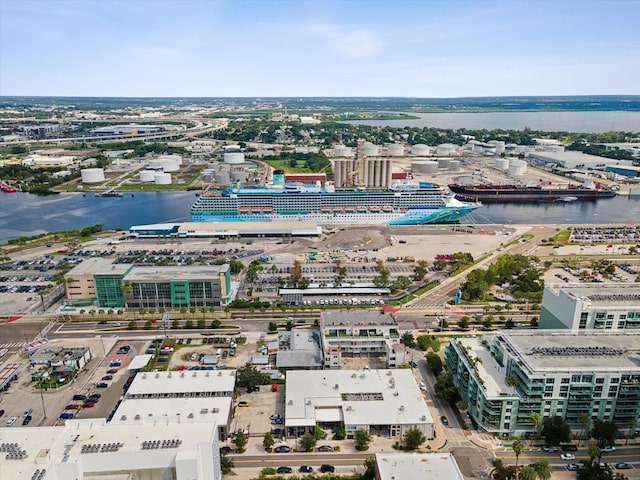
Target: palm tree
{"points": [[585, 420], [536, 419], [517, 446], [543, 470], [632, 428]]}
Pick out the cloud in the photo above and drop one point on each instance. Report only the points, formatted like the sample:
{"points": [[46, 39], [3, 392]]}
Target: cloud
{"points": [[351, 43]]}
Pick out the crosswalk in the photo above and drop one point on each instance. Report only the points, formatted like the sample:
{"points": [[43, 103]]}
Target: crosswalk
{"points": [[436, 307], [13, 345]]}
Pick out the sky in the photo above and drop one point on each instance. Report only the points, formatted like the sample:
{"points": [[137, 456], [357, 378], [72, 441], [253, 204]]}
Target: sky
{"points": [[312, 48]]}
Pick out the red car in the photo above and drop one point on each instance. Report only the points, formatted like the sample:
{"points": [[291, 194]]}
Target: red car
{"points": [[72, 407], [88, 404]]}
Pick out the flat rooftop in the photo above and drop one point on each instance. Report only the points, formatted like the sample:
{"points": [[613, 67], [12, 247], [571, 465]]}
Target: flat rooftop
{"points": [[100, 266], [416, 466], [572, 156], [304, 227], [190, 272], [614, 294], [357, 397], [187, 381], [352, 318], [187, 409]]}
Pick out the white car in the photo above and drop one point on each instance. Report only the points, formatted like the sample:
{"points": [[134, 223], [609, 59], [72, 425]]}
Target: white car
{"points": [[568, 456], [11, 421], [608, 449]]}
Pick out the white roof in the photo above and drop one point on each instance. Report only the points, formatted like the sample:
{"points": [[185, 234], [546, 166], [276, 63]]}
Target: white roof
{"points": [[139, 361], [363, 397], [417, 466], [59, 450], [188, 409], [188, 381]]}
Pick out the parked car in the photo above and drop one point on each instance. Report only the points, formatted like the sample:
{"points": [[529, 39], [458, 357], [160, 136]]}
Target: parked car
{"points": [[79, 396], [305, 469], [88, 404], [414, 364], [282, 449], [444, 420], [624, 466], [1, 413], [11, 421], [284, 470], [26, 420], [244, 403], [568, 456], [274, 387], [93, 396], [607, 448], [550, 448], [66, 416], [27, 412], [72, 406], [569, 448], [325, 448], [573, 467], [107, 377], [326, 468], [112, 371], [276, 432], [102, 385]]}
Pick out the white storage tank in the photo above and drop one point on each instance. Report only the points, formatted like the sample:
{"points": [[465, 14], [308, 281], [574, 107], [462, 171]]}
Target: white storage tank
{"points": [[147, 175], [446, 149], [341, 151], [371, 150], [420, 149], [155, 164], [498, 144], [424, 166], [239, 176], [162, 178], [443, 163], [222, 178], [233, 158], [395, 150], [517, 167], [92, 175], [454, 165], [502, 164]]}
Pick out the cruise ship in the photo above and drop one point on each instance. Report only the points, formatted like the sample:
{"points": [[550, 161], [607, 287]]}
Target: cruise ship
{"points": [[402, 203]]}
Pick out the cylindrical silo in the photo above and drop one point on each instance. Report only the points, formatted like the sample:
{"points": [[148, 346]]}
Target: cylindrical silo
{"points": [[517, 167], [420, 149], [371, 150], [443, 163], [454, 165], [234, 157], [502, 164], [341, 151], [222, 178], [446, 149], [155, 164], [424, 166], [239, 176], [162, 179], [147, 175], [92, 175], [395, 150]]}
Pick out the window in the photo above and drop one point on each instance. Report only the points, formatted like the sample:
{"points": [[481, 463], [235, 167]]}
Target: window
{"points": [[599, 380]]}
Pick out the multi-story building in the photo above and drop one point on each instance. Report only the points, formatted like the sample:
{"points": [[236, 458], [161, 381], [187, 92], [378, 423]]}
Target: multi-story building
{"points": [[412, 466], [112, 285], [177, 287], [383, 402], [506, 377], [609, 306], [361, 333]]}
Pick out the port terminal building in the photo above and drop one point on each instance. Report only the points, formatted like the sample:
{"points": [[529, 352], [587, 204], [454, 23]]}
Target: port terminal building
{"points": [[383, 402], [226, 229], [506, 377], [608, 306]]}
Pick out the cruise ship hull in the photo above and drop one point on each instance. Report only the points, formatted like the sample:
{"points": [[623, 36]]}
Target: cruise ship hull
{"points": [[398, 206]]}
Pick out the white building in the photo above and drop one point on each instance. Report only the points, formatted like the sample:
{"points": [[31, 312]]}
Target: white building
{"points": [[570, 159], [416, 466], [192, 396], [609, 306], [383, 402], [91, 449]]}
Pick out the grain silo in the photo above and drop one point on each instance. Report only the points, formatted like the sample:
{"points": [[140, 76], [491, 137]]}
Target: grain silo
{"points": [[92, 175], [371, 150]]}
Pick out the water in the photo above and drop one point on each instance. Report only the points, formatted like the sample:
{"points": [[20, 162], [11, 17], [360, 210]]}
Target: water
{"points": [[586, 122], [25, 214]]}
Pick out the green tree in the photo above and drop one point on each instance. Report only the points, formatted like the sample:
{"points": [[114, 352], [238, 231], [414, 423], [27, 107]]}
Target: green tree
{"points": [[527, 473], [370, 469], [445, 389], [362, 439], [188, 324], [215, 324], [226, 463], [605, 432], [202, 323], [463, 323], [339, 432], [501, 471], [413, 439], [308, 442], [434, 362], [517, 446], [555, 430], [273, 327], [132, 325], [585, 421], [543, 470], [536, 419], [408, 340], [240, 440], [249, 376], [268, 441]]}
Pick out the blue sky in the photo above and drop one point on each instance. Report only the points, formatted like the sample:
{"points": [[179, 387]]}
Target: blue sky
{"points": [[307, 48]]}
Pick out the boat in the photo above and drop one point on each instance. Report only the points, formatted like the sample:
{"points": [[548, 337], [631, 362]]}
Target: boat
{"points": [[540, 192], [109, 194], [406, 203], [6, 188]]}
